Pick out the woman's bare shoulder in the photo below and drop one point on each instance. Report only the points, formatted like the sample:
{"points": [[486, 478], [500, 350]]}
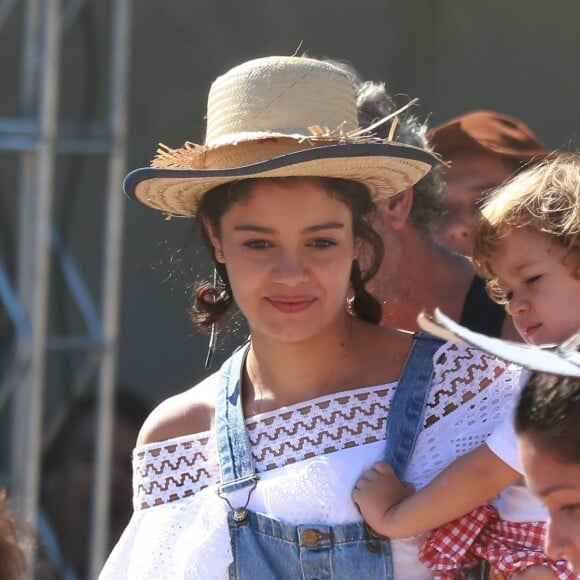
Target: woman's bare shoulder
{"points": [[187, 413]]}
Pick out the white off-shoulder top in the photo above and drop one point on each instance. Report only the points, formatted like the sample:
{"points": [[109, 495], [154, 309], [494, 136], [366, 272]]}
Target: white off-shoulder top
{"points": [[309, 456]]}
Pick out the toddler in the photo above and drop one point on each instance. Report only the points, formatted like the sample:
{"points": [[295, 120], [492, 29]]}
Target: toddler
{"points": [[527, 245]]}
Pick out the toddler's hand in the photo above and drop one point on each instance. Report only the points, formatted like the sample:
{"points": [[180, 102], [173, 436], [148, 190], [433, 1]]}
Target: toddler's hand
{"points": [[376, 492]]}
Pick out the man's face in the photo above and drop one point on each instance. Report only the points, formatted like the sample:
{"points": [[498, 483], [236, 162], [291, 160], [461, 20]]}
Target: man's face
{"points": [[469, 179]]}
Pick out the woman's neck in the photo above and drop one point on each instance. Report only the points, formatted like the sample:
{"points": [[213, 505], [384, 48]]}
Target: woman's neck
{"points": [[284, 373]]}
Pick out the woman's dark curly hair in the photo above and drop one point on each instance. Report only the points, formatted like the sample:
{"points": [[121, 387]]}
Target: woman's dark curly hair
{"points": [[212, 301]]}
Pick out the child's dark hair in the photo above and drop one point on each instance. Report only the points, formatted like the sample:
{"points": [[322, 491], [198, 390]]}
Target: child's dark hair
{"points": [[212, 302], [549, 411]]}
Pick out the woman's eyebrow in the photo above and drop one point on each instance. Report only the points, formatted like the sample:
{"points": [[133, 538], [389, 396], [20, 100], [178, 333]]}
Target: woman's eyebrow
{"points": [[254, 228], [309, 229], [325, 226]]}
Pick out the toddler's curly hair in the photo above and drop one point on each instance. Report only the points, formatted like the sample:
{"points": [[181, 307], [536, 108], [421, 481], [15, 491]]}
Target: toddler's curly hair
{"points": [[544, 198]]}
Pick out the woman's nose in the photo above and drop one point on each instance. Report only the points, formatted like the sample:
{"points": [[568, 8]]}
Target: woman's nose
{"points": [[290, 268]]}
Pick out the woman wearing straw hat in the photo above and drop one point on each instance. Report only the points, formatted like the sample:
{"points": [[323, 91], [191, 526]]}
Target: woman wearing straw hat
{"points": [[249, 474]]}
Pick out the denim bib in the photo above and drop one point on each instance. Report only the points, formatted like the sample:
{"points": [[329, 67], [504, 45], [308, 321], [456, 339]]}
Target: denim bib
{"points": [[265, 548]]}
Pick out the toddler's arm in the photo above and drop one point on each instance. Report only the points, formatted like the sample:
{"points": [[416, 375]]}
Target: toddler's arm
{"points": [[391, 508]]}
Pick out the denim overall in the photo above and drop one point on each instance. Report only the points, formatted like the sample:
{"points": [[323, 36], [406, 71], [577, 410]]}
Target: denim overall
{"points": [[264, 548]]}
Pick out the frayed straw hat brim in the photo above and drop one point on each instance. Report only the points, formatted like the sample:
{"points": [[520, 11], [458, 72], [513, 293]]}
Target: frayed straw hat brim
{"points": [[551, 359], [385, 168]]}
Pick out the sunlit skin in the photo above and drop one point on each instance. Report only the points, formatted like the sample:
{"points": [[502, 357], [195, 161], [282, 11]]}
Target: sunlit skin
{"points": [[289, 250], [536, 277], [556, 483], [468, 178]]}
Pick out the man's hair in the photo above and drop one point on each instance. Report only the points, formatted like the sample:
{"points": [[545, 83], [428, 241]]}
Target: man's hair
{"points": [[549, 411], [374, 103], [544, 198]]}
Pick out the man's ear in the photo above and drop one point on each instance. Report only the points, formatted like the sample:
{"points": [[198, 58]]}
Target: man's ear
{"points": [[395, 211], [214, 239]]}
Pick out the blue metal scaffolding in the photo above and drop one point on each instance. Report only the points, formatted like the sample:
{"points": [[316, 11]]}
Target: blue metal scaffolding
{"points": [[39, 135]]}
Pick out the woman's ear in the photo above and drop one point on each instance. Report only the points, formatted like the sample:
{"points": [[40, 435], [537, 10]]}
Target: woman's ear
{"points": [[214, 239]]}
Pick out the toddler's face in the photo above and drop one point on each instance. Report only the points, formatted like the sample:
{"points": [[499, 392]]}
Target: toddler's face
{"points": [[536, 277]]}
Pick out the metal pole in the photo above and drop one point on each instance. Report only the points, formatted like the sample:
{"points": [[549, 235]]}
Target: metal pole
{"points": [[6, 8], [120, 47], [38, 201]]}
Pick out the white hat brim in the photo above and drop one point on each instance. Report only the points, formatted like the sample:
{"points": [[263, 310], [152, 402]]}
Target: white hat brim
{"points": [[550, 359]]}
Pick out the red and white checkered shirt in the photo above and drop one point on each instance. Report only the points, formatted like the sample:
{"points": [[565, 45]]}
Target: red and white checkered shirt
{"points": [[509, 547]]}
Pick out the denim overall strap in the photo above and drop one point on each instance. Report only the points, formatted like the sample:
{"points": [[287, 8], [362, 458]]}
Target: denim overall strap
{"points": [[403, 422], [266, 548], [235, 452]]}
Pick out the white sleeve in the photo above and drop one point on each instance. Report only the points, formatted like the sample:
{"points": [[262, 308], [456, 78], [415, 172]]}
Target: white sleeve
{"points": [[189, 538], [503, 440]]}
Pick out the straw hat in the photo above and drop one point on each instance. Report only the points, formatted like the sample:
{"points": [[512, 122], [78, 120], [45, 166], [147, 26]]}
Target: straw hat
{"points": [[277, 117], [563, 359]]}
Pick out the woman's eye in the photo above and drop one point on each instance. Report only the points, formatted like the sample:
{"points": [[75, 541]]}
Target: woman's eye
{"points": [[322, 243], [533, 279], [257, 244]]}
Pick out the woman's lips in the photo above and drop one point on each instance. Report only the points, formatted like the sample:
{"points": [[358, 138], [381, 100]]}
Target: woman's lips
{"points": [[291, 305]]}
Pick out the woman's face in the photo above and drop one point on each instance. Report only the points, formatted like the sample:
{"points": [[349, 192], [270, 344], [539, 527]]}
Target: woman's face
{"points": [[288, 249]]}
